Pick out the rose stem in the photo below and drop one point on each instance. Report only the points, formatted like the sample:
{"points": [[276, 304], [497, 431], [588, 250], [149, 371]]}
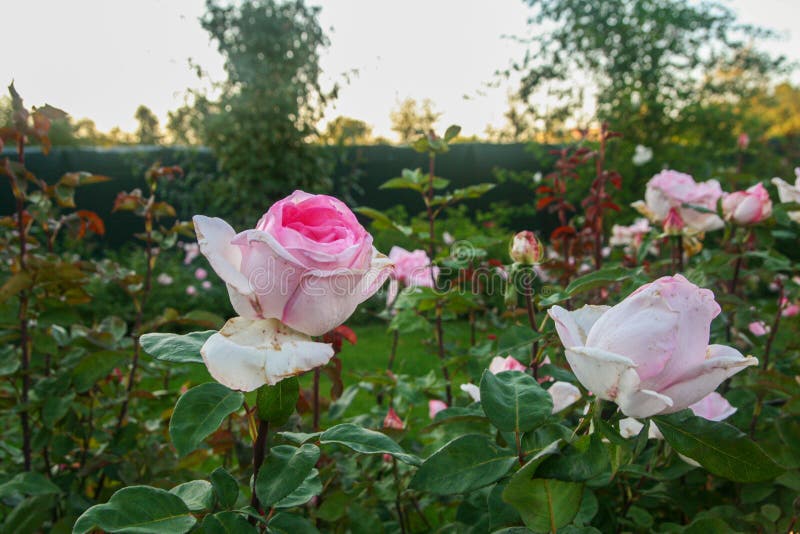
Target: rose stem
{"points": [[432, 255], [315, 399], [400, 514], [260, 447], [531, 306], [25, 356], [767, 349], [390, 364]]}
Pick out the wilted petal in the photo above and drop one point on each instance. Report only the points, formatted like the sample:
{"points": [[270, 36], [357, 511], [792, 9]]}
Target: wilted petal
{"points": [[722, 362], [248, 353]]}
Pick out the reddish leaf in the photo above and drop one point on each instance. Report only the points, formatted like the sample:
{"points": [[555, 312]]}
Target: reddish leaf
{"points": [[544, 202], [566, 231], [90, 221]]}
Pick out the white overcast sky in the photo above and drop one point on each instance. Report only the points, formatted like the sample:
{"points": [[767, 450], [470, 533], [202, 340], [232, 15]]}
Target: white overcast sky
{"points": [[102, 58]]}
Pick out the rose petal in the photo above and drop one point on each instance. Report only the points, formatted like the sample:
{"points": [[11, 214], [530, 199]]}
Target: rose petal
{"points": [[722, 362], [248, 353], [472, 390], [214, 237], [563, 394], [602, 372], [573, 326]]}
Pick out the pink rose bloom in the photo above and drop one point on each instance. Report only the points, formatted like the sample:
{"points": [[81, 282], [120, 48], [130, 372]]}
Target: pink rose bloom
{"points": [[743, 141], [649, 353], [435, 406], [392, 420], [789, 193], [563, 395], [308, 263], [757, 328], [713, 407], [672, 189], [509, 363], [192, 251], [164, 279], [789, 310], [412, 268], [525, 248], [200, 273], [673, 224], [206, 284], [191, 290], [747, 207]]}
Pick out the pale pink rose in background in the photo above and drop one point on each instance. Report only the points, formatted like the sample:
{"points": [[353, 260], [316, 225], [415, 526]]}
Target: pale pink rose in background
{"points": [[743, 141], [631, 235], [649, 353], [248, 353], [789, 310], [192, 251], [191, 290], [509, 363], [435, 406], [448, 238], [673, 223], [412, 268], [392, 420], [672, 189], [713, 407], [164, 279], [747, 207], [472, 390], [563, 394], [526, 249], [308, 262], [758, 328], [200, 273], [789, 193], [206, 284]]}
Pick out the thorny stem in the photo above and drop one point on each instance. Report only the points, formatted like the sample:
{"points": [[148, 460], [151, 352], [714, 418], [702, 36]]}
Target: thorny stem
{"points": [[432, 255], [260, 449]]}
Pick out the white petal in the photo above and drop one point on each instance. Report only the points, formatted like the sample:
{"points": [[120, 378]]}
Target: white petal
{"points": [[573, 326], [563, 394], [214, 237], [472, 390], [248, 353], [630, 427], [721, 363], [602, 372]]}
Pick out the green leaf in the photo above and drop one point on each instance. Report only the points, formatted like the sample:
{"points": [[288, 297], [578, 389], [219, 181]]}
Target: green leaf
{"points": [[722, 449], [514, 401], [277, 403], [402, 183], [227, 523], [284, 523], [310, 487], [366, 441], [14, 284], [9, 360], [381, 221], [545, 505], [452, 131], [199, 412], [94, 367], [197, 494], [138, 509], [28, 483], [174, 347], [225, 487], [466, 463], [581, 460], [29, 515], [283, 471], [599, 279]]}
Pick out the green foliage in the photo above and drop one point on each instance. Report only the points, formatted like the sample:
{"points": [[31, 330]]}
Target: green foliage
{"points": [[138, 509], [283, 472], [514, 401], [199, 412]]}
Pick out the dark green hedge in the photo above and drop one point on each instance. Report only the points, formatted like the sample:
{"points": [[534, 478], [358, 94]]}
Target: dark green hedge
{"points": [[465, 164]]}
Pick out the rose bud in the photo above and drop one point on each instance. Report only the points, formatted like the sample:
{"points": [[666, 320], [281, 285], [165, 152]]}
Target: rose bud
{"points": [[526, 249]]}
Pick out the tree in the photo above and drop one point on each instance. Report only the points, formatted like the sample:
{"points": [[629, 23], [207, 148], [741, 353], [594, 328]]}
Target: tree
{"points": [[148, 131], [347, 131], [262, 127], [644, 62], [410, 118]]}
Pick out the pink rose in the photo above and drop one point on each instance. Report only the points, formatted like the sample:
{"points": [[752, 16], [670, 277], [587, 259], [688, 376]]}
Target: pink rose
{"points": [[747, 207], [758, 328], [413, 268], [526, 249], [743, 141], [200, 273], [789, 310], [629, 235], [672, 189], [435, 406], [392, 420], [509, 363], [308, 262], [191, 290], [649, 353], [206, 284]]}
